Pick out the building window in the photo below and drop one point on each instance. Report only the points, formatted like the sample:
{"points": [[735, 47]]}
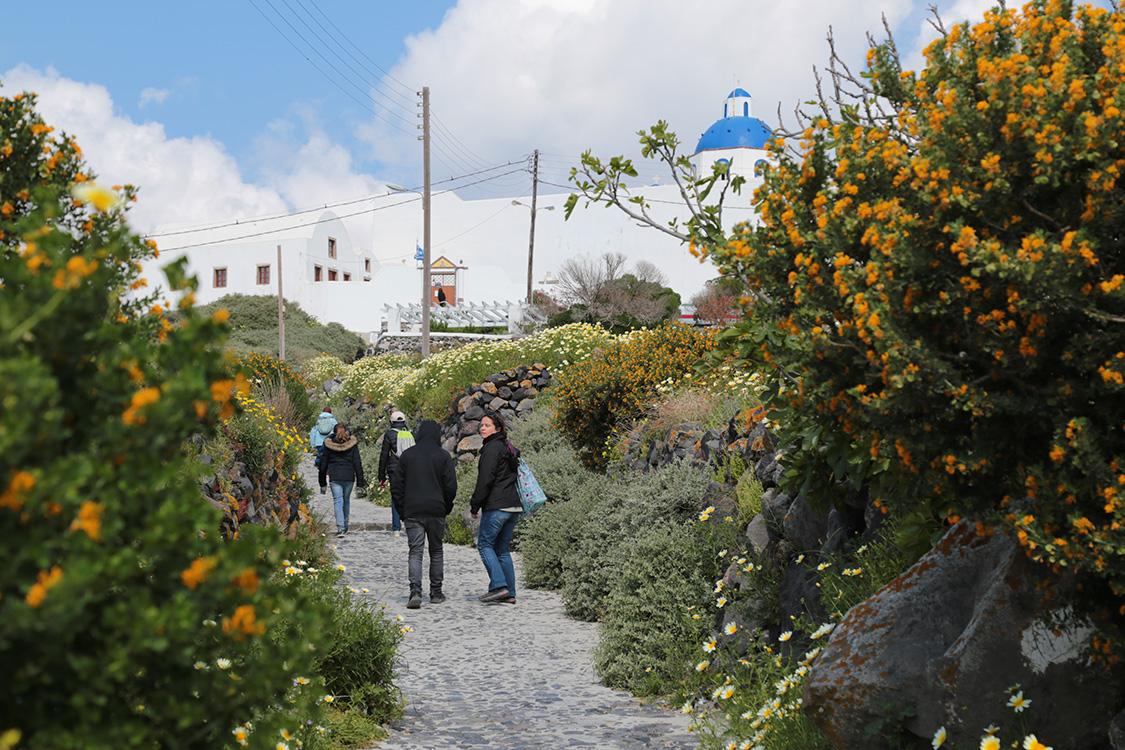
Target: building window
{"points": [[220, 277], [367, 265], [318, 273], [347, 276], [263, 274], [331, 247], [331, 274]]}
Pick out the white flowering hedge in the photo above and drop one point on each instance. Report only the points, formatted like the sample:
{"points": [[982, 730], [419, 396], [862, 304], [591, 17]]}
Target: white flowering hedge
{"points": [[407, 384], [324, 367]]}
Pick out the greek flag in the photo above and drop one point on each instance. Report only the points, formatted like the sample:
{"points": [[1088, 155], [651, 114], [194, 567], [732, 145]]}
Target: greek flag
{"points": [[419, 254]]}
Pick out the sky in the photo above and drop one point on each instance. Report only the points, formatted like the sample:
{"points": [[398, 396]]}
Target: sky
{"points": [[238, 109]]}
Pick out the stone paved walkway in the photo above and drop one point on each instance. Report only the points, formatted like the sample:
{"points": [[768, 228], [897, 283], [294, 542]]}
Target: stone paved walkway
{"points": [[518, 677]]}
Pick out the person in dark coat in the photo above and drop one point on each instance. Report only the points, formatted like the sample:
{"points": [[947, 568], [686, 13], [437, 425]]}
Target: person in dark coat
{"points": [[342, 463], [497, 497], [388, 460], [423, 487]]}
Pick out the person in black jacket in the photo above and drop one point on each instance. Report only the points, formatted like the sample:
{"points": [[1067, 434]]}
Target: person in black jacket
{"points": [[497, 496], [423, 487], [342, 463], [388, 460]]}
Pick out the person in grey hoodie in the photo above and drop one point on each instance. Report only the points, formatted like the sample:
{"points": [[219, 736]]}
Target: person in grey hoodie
{"points": [[423, 487]]}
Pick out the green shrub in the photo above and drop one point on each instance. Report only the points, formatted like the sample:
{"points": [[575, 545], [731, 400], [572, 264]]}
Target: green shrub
{"points": [[649, 640], [612, 387], [610, 517], [358, 667], [253, 321], [553, 463], [127, 621], [282, 388], [456, 531]]}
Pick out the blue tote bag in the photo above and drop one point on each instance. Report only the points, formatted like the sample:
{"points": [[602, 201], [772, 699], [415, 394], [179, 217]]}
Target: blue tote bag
{"points": [[531, 496]]}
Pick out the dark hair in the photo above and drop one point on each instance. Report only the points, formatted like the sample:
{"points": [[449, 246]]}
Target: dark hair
{"points": [[340, 426], [497, 422]]}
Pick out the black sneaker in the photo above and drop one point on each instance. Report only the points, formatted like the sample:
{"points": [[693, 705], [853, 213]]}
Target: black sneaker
{"points": [[436, 597], [509, 600], [494, 595], [415, 600]]}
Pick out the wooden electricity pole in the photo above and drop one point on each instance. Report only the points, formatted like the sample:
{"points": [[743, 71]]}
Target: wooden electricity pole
{"points": [[280, 311], [425, 222], [531, 239]]}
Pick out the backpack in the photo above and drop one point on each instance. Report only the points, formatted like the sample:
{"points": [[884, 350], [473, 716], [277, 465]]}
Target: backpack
{"points": [[403, 440], [325, 423]]}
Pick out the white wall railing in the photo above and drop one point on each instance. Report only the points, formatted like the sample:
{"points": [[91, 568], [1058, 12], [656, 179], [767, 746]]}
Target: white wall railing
{"points": [[404, 318]]}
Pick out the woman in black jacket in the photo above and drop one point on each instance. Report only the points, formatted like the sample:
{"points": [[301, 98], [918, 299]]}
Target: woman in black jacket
{"points": [[496, 495], [341, 463]]}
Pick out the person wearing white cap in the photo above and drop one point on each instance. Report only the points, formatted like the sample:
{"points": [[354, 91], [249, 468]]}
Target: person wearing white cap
{"points": [[394, 443]]}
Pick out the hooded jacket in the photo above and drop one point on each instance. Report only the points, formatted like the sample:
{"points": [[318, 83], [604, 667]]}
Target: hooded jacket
{"points": [[316, 437], [341, 462], [388, 455], [496, 476], [424, 483]]}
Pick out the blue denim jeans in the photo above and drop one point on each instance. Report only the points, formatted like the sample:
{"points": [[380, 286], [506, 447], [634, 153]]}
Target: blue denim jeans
{"points": [[342, 498], [496, 529], [420, 532]]}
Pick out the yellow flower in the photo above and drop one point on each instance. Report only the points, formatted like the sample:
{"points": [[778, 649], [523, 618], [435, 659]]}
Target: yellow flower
{"points": [[198, 572], [988, 742], [38, 591], [102, 198], [89, 520], [1031, 743]]}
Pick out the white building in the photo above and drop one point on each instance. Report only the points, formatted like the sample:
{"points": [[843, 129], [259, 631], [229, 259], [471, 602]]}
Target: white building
{"points": [[479, 248]]}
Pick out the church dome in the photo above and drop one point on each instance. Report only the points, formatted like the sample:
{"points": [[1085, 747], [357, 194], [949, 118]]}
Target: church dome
{"points": [[737, 129], [735, 132]]}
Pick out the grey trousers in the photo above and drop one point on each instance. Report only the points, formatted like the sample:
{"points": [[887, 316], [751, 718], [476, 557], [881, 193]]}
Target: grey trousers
{"points": [[419, 531]]}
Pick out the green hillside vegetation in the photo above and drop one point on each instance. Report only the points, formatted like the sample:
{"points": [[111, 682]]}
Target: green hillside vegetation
{"points": [[253, 322]]}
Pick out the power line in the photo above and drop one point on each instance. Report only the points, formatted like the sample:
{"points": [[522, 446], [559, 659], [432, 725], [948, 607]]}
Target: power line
{"points": [[411, 89], [331, 47], [365, 105], [278, 230], [639, 188], [464, 148], [348, 202]]}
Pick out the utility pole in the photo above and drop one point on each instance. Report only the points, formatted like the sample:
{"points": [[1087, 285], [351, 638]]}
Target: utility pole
{"points": [[280, 311], [425, 222], [531, 238]]}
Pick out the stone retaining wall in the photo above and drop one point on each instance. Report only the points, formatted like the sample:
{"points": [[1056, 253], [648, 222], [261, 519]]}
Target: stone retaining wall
{"points": [[510, 393]]}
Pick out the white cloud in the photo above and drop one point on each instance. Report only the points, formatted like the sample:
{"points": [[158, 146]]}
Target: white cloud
{"points": [[189, 180], [153, 94], [508, 76]]}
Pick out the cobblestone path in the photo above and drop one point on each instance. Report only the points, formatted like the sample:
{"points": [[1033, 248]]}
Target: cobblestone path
{"points": [[516, 677]]}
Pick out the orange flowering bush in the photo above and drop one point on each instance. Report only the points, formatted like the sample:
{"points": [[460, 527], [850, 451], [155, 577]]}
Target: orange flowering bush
{"points": [[127, 622], [613, 385], [940, 287]]}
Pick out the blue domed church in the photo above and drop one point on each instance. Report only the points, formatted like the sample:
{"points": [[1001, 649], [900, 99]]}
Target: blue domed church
{"points": [[738, 139]]}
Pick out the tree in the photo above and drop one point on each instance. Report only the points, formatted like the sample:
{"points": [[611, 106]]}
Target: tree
{"points": [[717, 304], [605, 182], [599, 292], [938, 286], [128, 622], [945, 285]]}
